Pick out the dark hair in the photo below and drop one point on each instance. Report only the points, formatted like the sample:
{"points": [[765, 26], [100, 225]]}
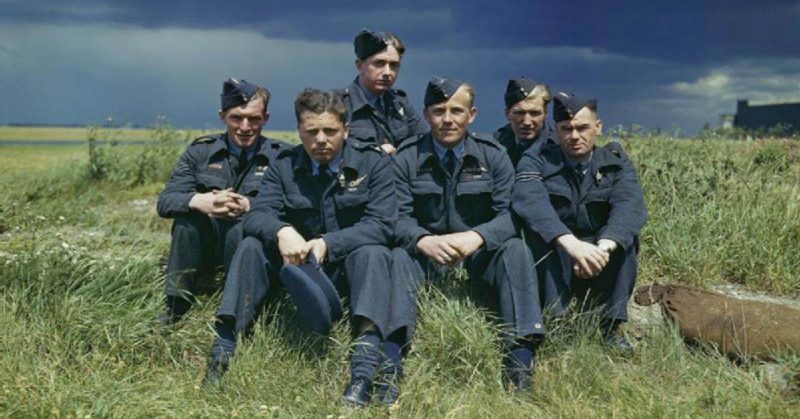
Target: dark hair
{"points": [[318, 102]]}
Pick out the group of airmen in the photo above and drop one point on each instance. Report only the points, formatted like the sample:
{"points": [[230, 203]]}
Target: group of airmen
{"points": [[377, 200]]}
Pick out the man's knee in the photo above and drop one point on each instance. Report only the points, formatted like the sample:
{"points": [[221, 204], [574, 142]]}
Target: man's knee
{"points": [[515, 249], [250, 247], [369, 254]]}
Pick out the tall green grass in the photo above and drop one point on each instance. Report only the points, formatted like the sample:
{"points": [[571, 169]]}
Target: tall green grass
{"points": [[81, 279]]}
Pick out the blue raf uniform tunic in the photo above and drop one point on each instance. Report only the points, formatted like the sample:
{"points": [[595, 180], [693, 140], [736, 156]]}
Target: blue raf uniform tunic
{"points": [[353, 210], [201, 244], [605, 202], [389, 122], [475, 197]]}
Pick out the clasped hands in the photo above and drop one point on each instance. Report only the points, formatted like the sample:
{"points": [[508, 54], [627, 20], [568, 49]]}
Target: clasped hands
{"points": [[225, 204], [450, 249], [588, 259]]}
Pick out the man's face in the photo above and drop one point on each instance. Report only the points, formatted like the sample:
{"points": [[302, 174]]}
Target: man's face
{"points": [[578, 135], [379, 72], [527, 118], [450, 120], [322, 135], [244, 122]]}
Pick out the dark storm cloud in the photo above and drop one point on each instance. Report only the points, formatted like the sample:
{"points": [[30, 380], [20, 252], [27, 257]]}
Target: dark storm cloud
{"points": [[672, 31], [649, 63]]}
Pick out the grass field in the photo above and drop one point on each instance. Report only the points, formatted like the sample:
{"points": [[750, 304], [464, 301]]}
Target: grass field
{"points": [[80, 283], [119, 134]]}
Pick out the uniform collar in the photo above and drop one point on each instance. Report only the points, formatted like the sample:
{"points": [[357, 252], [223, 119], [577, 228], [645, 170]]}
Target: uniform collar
{"points": [[556, 160], [333, 165], [469, 153], [235, 150], [441, 150], [572, 163], [361, 97]]}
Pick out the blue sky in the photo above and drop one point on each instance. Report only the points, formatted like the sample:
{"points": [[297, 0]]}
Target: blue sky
{"points": [[669, 65]]}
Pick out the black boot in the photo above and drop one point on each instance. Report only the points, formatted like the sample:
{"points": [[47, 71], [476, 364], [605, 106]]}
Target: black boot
{"points": [[387, 386], [176, 308], [518, 368], [222, 350], [364, 360], [614, 340]]}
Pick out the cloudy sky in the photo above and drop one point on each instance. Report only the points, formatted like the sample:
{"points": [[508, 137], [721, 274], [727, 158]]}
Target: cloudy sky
{"points": [[669, 65]]}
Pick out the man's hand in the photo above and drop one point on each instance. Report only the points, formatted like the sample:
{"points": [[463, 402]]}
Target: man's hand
{"points": [[607, 245], [218, 204], [242, 202], [319, 248], [388, 149], [465, 242], [588, 259], [292, 246], [439, 249]]}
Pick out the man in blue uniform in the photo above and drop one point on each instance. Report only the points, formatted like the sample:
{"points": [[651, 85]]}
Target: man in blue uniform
{"points": [[377, 112], [526, 111], [210, 189], [331, 198], [583, 209], [453, 191]]}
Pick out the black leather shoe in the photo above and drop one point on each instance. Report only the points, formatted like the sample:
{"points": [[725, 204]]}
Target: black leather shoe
{"points": [[387, 389], [217, 367], [618, 345], [520, 379], [357, 393]]}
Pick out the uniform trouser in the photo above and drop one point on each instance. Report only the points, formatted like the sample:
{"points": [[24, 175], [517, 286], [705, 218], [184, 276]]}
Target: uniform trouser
{"points": [[200, 246], [254, 267], [509, 270], [610, 291]]}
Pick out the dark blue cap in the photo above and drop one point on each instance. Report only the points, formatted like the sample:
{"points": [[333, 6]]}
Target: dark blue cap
{"points": [[313, 293], [518, 89], [368, 43], [236, 92], [566, 105], [440, 89]]}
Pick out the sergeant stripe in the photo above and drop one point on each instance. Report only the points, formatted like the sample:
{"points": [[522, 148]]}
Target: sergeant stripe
{"points": [[529, 177]]}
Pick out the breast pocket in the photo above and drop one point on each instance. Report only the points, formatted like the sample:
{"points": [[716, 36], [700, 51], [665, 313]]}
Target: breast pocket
{"points": [[560, 198], [250, 187], [300, 213], [474, 201], [597, 206], [427, 196], [207, 182], [350, 207]]}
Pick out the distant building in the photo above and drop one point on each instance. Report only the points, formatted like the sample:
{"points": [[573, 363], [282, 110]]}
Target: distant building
{"points": [[765, 116]]}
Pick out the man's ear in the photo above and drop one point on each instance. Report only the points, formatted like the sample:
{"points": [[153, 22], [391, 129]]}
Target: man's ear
{"points": [[222, 115], [473, 113], [599, 126]]}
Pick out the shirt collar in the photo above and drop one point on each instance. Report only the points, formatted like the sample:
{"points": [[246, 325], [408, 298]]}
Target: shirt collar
{"points": [[368, 96], [584, 164], [440, 150], [235, 150], [333, 165]]}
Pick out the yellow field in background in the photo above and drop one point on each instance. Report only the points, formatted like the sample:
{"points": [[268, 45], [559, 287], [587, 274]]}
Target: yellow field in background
{"points": [[123, 134]]}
